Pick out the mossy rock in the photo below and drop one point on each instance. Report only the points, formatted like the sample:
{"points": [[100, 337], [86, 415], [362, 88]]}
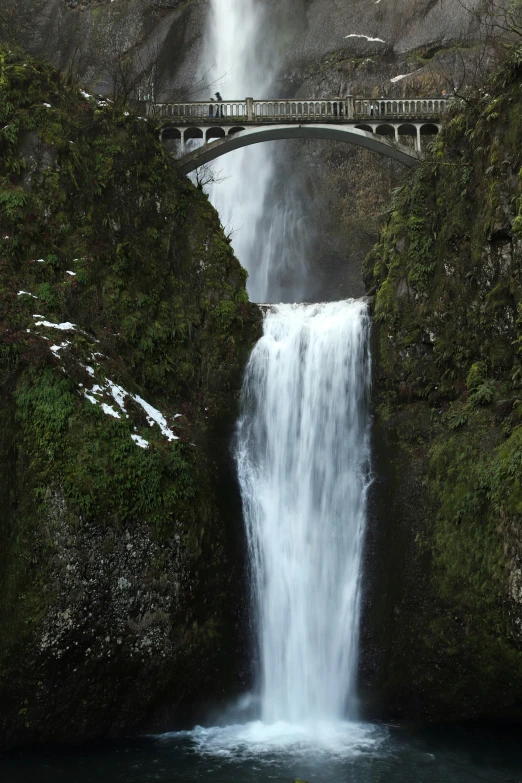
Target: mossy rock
{"points": [[124, 329], [447, 368]]}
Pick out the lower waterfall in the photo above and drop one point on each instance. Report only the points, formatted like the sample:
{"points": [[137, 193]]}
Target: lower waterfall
{"points": [[302, 452]]}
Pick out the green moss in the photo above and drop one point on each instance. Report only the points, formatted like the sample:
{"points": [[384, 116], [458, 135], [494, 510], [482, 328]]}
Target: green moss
{"points": [[447, 277], [101, 231]]}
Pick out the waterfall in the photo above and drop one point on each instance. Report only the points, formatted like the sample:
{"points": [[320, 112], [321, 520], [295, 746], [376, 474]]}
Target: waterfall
{"points": [[302, 447], [302, 453], [240, 60]]}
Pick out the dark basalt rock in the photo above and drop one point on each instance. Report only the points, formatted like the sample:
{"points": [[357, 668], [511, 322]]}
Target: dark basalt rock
{"points": [[443, 619], [121, 539]]}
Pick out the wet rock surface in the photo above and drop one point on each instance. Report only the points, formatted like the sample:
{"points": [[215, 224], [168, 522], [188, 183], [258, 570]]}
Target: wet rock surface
{"points": [[442, 637], [124, 329]]}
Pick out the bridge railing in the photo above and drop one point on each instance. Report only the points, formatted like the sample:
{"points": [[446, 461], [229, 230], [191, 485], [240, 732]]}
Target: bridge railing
{"points": [[403, 108], [200, 110], [316, 111], [276, 110]]}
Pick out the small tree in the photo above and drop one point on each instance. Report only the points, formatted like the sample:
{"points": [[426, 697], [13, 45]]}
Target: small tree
{"points": [[206, 175], [22, 22], [499, 25]]}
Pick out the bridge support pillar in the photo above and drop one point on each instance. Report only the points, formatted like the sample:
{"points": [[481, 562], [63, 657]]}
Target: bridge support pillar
{"points": [[250, 108], [418, 138]]}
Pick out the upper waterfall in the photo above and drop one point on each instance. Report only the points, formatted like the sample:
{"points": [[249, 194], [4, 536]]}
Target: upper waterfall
{"points": [[241, 58]]}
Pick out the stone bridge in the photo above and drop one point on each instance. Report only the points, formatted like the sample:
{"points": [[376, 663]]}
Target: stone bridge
{"points": [[394, 128]]}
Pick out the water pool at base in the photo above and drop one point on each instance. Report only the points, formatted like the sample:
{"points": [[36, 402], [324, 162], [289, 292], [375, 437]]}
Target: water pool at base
{"points": [[254, 752]]}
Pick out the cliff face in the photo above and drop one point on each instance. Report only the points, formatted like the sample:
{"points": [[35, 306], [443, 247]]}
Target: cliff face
{"points": [[319, 48], [124, 327], [445, 631], [417, 50]]}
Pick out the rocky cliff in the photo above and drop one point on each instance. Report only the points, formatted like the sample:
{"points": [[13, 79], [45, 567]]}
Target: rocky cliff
{"points": [[317, 48], [445, 640], [124, 327]]}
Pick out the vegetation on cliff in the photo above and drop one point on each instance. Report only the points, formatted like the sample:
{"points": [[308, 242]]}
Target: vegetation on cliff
{"points": [[124, 326], [447, 274]]}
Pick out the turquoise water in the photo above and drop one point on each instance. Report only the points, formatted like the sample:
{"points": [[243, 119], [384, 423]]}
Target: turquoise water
{"points": [[349, 753]]}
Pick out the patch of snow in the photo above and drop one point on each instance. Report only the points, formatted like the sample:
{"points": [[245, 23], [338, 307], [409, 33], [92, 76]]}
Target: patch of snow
{"points": [[154, 415], [140, 441], [89, 369], [40, 260], [402, 76], [118, 395], [57, 348], [67, 326], [85, 94], [368, 38], [20, 293], [109, 410], [70, 273], [47, 105], [91, 399], [6, 237]]}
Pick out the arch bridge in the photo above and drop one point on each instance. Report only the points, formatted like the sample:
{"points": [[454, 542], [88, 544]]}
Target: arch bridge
{"points": [[394, 128]]}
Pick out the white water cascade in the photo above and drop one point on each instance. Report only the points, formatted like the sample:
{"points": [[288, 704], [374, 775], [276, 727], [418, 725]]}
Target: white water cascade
{"points": [[240, 60], [302, 453]]}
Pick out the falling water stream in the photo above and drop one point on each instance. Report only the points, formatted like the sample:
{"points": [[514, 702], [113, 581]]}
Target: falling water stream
{"points": [[303, 456], [240, 60], [302, 439]]}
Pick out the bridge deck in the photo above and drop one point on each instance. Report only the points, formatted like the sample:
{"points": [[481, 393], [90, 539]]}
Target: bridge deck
{"points": [[272, 111]]}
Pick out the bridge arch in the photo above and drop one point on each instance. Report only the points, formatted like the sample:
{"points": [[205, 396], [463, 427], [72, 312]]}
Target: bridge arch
{"points": [[385, 130], [192, 133], [384, 144], [429, 129], [215, 133], [171, 133], [407, 129]]}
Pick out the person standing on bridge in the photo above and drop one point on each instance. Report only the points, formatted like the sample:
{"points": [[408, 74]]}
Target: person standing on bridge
{"points": [[219, 99], [211, 109]]}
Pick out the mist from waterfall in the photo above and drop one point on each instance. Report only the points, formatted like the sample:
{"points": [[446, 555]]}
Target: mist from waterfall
{"points": [[303, 463], [269, 238]]}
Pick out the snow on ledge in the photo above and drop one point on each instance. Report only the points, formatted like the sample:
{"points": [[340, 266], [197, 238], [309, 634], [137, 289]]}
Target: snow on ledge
{"points": [[118, 394], [140, 441], [110, 410], [57, 348], [402, 76], [368, 38], [154, 415], [67, 326]]}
